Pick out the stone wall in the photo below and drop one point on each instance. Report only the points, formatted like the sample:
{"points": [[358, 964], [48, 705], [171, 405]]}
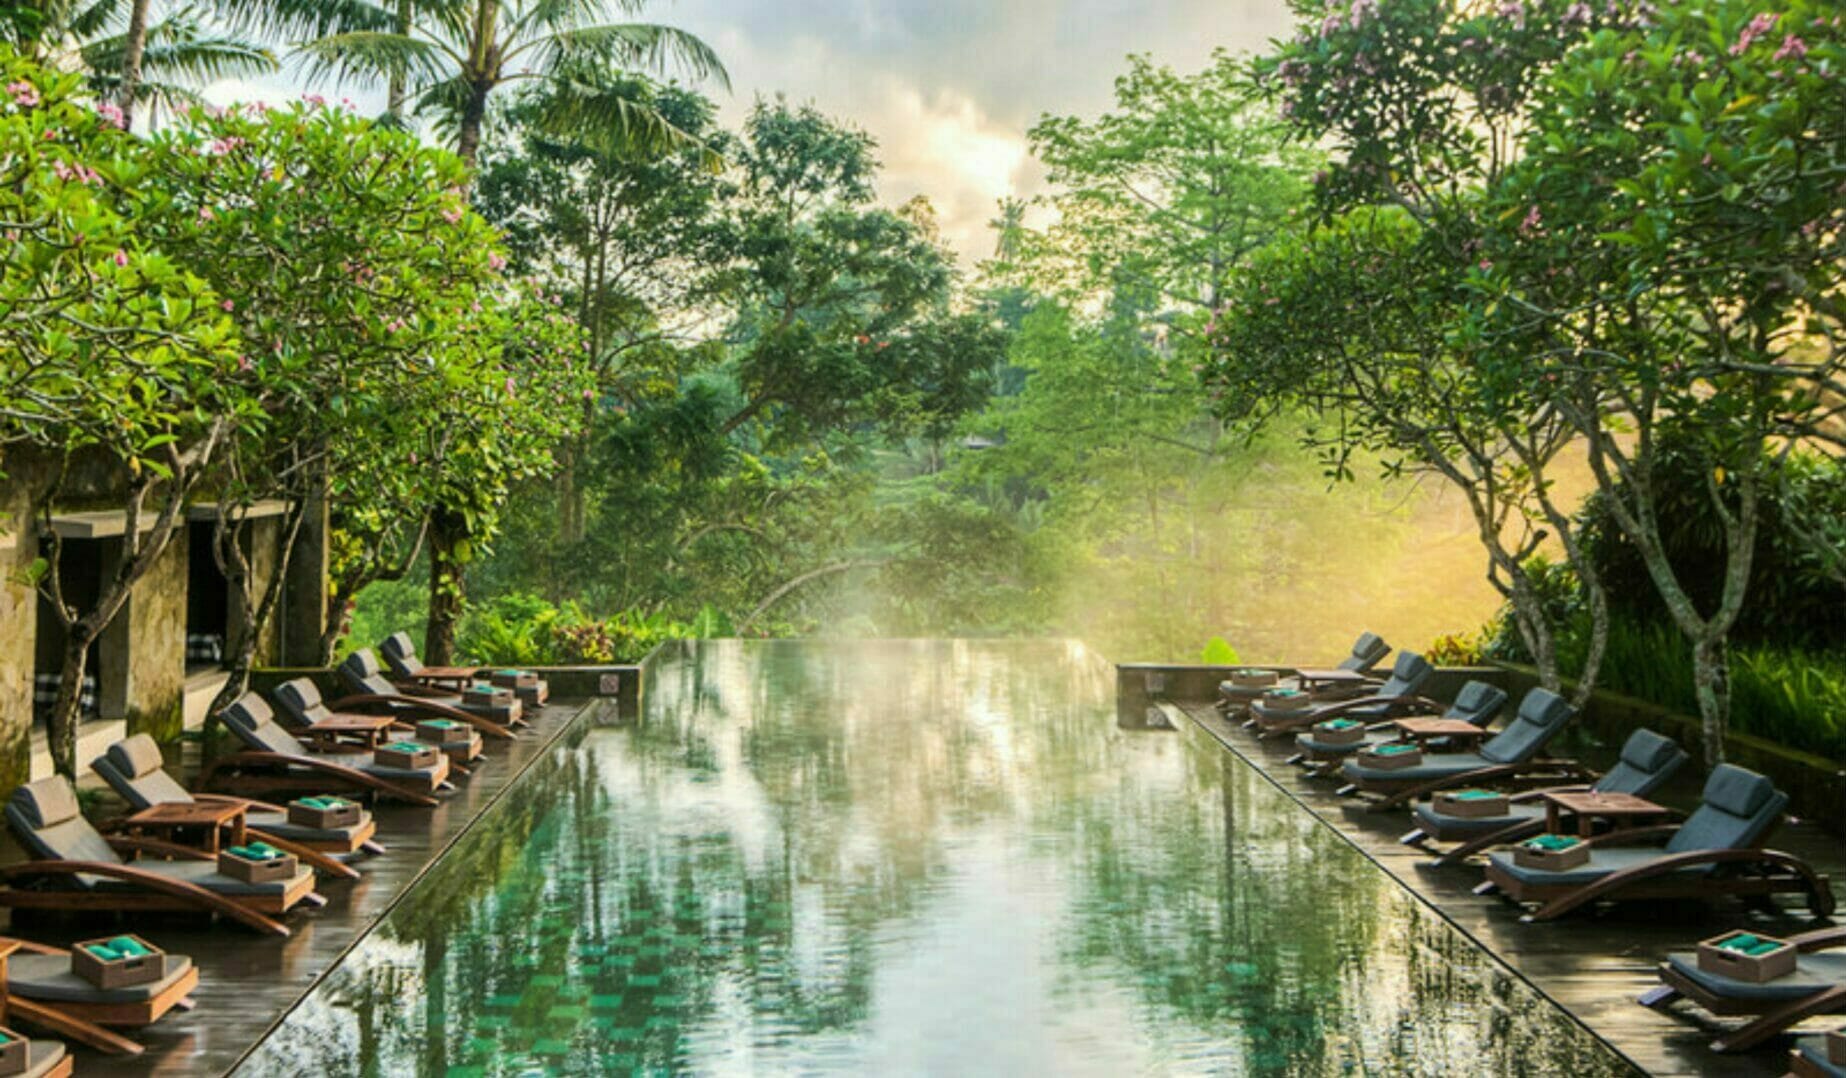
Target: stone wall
{"points": [[153, 633]]}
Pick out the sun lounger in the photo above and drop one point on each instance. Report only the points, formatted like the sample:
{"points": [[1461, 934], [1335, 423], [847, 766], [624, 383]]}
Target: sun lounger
{"points": [[76, 868], [409, 672], [370, 689], [1816, 987], [42, 990], [1367, 652], [133, 769], [1476, 704], [1397, 696], [1646, 762], [1715, 852], [307, 716], [1811, 1059], [1509, 758], [47, 1058], [276, 762]]}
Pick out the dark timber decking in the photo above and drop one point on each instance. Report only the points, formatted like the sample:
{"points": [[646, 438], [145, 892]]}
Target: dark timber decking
{"points": [[247, 982], [1593, 965]]}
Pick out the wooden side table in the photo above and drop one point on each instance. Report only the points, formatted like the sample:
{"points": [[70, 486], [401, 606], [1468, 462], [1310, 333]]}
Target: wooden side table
{"points": [[1454, 729], [1621, 810], [331, 734], [209, 816]]}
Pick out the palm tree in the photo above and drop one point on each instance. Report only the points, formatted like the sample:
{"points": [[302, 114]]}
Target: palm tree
{"points": [[1008, 228], [133, 58], [451, 55]]}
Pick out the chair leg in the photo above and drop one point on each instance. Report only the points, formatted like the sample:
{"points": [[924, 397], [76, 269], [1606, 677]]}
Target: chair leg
{"points": [[1416, 837], [1347, 790], [1486, 887], [1297, 758], [1658, 996]]}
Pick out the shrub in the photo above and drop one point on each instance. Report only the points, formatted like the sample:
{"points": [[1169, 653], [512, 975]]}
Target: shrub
{"points": [[1456, 649]]}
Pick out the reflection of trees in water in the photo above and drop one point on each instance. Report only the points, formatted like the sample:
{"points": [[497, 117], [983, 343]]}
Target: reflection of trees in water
{"points": [[723, 872]]}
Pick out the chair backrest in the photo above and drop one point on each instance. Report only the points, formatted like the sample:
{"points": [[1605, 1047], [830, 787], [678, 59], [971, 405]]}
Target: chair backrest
{"points": [[1737, 810], [361, 673], [301, 703], [1647, 760], [1477, 702], [46, 817], [1540, 716], [401, 655], [135, 769], [251, 720], [1408, 674], [1367, 651]]}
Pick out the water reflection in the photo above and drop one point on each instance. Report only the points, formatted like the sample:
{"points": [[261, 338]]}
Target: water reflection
{"points": [[909, 857]]}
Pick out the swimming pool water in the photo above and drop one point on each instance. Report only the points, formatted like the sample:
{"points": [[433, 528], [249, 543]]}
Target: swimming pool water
{"points": [[920, 857]]}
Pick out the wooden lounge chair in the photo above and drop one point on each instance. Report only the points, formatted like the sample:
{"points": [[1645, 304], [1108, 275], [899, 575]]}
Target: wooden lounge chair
{"points": [[276, 763], [1817, 987], [369, 688], [1646, 762], [42, 990], [1715, 852], [1810, 1059], [76, 868], [45, 1058], [132, 768], [1367, 652], [409, 673], [1477, 703], [1397, 696], [307, 716], [1509, 758]]}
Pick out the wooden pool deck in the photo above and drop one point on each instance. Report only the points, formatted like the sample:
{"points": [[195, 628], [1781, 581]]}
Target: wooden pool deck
{"points": [[1593, 966], [248, 982]]}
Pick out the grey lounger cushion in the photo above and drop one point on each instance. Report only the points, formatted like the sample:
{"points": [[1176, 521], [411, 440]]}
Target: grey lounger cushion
{"points": [[133, 769], [48, 977], [1814, 1051], [253, 723], [41, 1057], [1813, 973], [1432, 821], [1477, 702], [205, 874], [1600, 864]]}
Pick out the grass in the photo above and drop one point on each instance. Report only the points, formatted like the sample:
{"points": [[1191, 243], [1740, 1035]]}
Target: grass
{"points": [[1790, 696]]}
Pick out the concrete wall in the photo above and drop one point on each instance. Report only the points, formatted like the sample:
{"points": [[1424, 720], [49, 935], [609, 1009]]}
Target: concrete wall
{"points": [[151, 630]]}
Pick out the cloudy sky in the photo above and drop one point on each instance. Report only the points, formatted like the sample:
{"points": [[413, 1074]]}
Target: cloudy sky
{"points": [[948, 87]]}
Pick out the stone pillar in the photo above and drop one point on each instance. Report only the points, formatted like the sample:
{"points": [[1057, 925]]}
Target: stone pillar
{"points": [[303, 616], [18, 631], [153, 622]]}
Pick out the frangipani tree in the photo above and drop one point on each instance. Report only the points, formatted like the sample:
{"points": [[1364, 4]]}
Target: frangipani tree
{"points": [[107, 347], [359, 274], [1667, 266]]}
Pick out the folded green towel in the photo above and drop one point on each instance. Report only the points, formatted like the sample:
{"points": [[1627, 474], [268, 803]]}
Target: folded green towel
{"points": [[406, 746], [326, 802], [1285, 694], [1393, 750], [4, 1039], [1340, 724], [481, 688], [1551, 843], [128, 947], [1745, 943], [509, 673], [102, 951], [440, 724], [1473, 795], [256, 851]]}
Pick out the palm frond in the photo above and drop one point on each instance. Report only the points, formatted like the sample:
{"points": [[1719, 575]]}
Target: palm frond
{"points": [[85, 22], [610, 120], [375, 55], [179, 47], [305, 20], [634, 45]]}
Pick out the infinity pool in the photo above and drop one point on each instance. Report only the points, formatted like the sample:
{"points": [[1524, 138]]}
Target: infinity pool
{"points": [[909, 858]]}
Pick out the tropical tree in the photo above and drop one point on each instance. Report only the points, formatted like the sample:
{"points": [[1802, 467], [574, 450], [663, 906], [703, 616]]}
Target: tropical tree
{"points": [[450, 57], [354, 297], [109, 351]]}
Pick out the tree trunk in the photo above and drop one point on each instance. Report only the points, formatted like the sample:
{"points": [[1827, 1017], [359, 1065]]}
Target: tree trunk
{"points": [[66, 711], [133, 46], [1711, 683], [447, 532], [468, 132], [395, 92]]}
